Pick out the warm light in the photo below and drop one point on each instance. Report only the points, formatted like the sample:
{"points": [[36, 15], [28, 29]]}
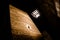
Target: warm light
{"points": [[57, 8], [21, 23]]}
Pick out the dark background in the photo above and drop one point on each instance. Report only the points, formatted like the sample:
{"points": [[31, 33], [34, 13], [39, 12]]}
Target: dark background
{"points": [[5, 30], [48, 20]]}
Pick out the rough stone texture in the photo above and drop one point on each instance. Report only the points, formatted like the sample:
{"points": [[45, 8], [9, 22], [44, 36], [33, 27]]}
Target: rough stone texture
{"points": [[21, 24]]}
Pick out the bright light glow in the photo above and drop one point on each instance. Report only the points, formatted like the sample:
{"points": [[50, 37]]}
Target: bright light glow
{"points": [[35, 13]]}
